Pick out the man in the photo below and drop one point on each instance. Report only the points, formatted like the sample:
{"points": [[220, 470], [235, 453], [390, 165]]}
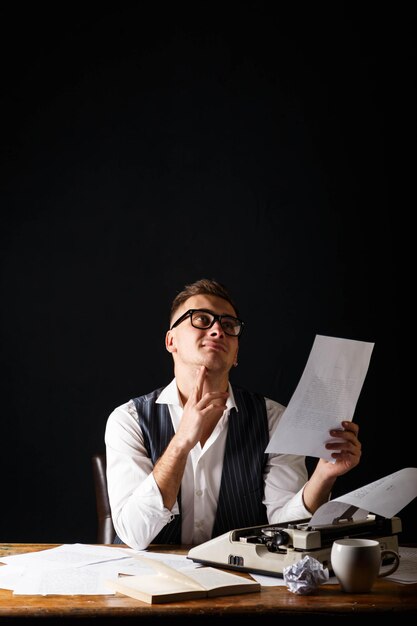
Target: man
{"points": [[186, 462]]}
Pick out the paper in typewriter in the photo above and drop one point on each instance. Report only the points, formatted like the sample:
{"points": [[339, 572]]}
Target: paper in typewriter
{"points": [[386, 496], [326, 394]]}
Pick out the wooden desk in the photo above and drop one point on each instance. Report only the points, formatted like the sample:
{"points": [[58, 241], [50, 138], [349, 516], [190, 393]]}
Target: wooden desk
{"points": [[269, 605]]}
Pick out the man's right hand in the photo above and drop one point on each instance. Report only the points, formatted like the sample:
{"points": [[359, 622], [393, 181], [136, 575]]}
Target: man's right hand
{"points": [[201, 413]]}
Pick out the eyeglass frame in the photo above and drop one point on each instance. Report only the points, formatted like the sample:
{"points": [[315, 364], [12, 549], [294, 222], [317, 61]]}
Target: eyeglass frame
{"points": [[216, 318]]}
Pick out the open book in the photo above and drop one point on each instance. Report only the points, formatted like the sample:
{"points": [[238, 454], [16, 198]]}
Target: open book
{"points": [[170, 585]]}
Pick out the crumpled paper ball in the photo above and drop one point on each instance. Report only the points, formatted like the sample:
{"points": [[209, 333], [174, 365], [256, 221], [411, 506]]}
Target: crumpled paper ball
{"points": [[305, 575]]}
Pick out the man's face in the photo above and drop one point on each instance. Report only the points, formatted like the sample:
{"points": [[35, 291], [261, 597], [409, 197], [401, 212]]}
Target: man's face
{"points": [[211, 347]]}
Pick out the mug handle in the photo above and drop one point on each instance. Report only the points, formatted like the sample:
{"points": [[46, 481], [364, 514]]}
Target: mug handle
{"points": [[394, 566]]}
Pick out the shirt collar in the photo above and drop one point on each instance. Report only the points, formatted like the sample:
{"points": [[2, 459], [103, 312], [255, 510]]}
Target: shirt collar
{"points": [[170, 395]]}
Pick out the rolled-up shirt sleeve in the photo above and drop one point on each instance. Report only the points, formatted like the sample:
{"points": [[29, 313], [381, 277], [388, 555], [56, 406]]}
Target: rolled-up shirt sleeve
{"points": [[285, 478], [136, 503]]}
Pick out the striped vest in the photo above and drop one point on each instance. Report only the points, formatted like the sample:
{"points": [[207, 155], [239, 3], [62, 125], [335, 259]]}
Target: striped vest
{"points": [[242, 485]]}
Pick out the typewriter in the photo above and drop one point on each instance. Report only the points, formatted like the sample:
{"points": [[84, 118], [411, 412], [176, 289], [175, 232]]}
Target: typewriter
{"points": [[269, 549]]}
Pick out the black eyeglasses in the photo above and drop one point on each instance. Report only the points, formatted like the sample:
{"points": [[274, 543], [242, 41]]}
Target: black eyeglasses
{"points": [[201, 318]]}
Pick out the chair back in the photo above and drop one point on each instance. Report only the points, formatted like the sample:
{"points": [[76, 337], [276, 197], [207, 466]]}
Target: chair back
{"points": [[105, 528]]}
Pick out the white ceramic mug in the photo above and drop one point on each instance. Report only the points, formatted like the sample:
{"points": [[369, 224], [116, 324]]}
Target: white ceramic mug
{"points": [[356, 563]]}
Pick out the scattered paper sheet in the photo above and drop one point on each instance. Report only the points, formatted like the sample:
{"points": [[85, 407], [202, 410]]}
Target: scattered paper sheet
{"points": [[326, 395], [9, 576], [67, 581], [407, 570], [74, 555], [77, 569]]}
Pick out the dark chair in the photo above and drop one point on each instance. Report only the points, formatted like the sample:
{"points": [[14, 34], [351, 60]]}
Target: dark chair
{"points": [[105, 528]]}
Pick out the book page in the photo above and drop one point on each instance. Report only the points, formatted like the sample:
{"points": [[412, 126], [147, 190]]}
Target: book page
{"points": [[169, 572], [200, 583], [195, 578], [212, 578], [154, 585]]}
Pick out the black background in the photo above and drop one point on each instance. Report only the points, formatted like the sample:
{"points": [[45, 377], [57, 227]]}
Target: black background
{"points": [[262, 145]]}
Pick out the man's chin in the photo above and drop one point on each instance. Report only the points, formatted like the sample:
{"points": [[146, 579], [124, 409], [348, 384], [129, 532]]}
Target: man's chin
{"points": [[214, 365]]}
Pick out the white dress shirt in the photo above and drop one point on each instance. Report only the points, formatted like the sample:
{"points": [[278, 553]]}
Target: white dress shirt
{"points": [[137, 508]]}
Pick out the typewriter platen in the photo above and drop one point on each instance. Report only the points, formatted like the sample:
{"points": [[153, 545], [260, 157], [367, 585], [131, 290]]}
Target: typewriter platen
{"points": [[269, 549]]}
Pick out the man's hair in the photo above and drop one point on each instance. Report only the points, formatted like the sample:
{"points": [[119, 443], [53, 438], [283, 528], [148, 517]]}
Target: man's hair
{"points": [[204, 286]]}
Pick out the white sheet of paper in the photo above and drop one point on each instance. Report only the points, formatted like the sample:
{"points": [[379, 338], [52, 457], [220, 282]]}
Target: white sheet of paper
{"points": [[407, 571], [79, 569], [326, 395], [67, 581], [9, 576], [386, 497], [72, 555]]}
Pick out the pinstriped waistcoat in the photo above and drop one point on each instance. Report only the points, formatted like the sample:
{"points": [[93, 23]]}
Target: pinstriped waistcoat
{"points": [[242, 485]]}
